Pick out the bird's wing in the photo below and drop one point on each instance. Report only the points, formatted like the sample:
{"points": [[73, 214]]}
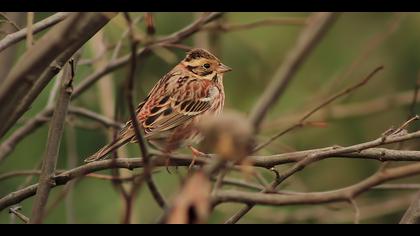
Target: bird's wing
{"points": [[174, 100]]}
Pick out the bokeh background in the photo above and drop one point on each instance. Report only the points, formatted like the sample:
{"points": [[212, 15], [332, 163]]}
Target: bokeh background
{"points": [[356, 44]]}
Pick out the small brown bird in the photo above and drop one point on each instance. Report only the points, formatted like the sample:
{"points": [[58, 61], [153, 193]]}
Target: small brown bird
{"points": [[193, 89]]}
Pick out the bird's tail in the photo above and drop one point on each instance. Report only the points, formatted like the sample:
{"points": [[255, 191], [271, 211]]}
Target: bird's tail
{"points": [[103, 152]]}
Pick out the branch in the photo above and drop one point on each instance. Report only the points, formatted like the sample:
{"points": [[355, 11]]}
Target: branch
{"points": [[9, 21], [19, 173], [344, 194], [107, 122], [64, 177], [183, 160], [306, 42], [53, 145], [75, 30], [379, 154], [371, 45], [354, 109], [302, 120], [139, 136], [8, 56], [15, 37], [260, 23], [29, 25], [15, 211], [52, 70], [30, 126], [412, 215], [301, 164], [33, 124], [325, 214]]}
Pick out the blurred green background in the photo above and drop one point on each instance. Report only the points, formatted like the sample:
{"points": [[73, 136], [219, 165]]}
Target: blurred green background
{"points": [[356, 44]]}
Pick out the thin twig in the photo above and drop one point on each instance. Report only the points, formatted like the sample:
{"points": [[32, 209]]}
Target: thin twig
{"points": [[343, 194], [240, 183], [398, 187], [412, 109], [9, 21], [349, 110], [181, 160], [356, 211], [300, 123], [142, 144], [15, 37], [309, 159], [120, 41], [368, 48], [412, 215], [72, 157], [83, 112], [71, 33], [29, 26], [298, 21], [306, 42], [15, 211]]}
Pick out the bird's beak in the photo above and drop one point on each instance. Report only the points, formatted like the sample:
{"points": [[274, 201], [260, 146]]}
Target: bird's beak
{"points": [[223, 68]]}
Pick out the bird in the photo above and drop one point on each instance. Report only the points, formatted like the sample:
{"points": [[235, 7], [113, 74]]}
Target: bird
{"points": [[170, 113]]}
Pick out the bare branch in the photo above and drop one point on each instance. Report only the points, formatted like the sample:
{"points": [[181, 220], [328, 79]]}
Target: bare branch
{"points": [[300, 123], [379, 154], [368, 48], [53, 145], [19, 173], [9, 21], [412, 110], [139, 136], [354, 109], [398, 187], [75, 30], [29, 25], [182, 160], [30, 126], [15, 37], [294, 21], [412, 215], [343, 194], [300, 165], [15, 211], [107, 122], [306, 42]]}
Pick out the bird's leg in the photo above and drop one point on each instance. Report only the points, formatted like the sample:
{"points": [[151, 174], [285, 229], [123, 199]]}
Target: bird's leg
{"points": [[195, 154], [167, 161]]}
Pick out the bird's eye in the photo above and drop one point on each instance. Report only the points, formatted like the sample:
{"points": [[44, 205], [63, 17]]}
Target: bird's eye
{"points": [[207, 65]]}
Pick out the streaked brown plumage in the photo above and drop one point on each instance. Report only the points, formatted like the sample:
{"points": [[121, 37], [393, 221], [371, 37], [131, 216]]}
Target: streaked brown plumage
{"points": [[192, 90]]}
